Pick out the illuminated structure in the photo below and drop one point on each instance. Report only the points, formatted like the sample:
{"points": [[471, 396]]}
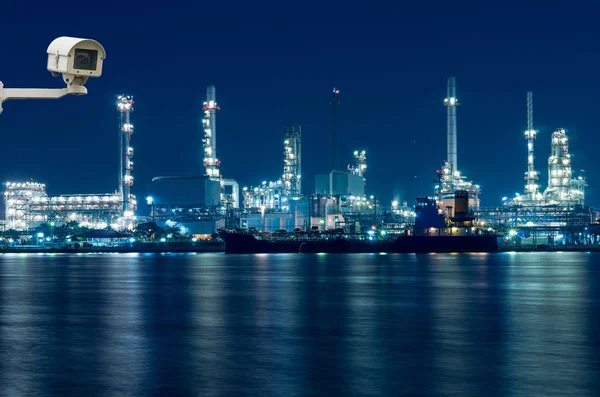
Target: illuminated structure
{"points": [[531, 176], [274, 195], [361, 163], [450, 179], [18, 200], [28, 205], [125, 107], [563, 189], [292, 161], [451, 102], [218, 190], [557, 215], [266, 195], [175, 193], [560, 177], [209, 123]]}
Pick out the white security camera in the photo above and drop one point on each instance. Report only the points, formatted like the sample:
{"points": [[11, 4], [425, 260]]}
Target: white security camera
{"points": [[76, 59]]}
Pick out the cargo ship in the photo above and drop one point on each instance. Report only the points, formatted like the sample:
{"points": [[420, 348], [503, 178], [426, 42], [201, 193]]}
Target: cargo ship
{"points": [[434, 231]]}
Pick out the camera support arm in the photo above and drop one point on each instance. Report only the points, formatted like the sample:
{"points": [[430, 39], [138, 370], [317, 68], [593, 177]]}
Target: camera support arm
{"points": [[39, 93]]}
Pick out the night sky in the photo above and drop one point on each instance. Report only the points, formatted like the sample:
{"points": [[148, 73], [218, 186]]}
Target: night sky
{"points": [[276, 64]]}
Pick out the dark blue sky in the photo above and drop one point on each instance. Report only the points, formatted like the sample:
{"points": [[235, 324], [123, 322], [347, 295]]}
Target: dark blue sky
{"points": [[275, 64]]}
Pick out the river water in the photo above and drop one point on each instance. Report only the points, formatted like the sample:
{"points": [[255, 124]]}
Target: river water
{"points": [[524, 324]]}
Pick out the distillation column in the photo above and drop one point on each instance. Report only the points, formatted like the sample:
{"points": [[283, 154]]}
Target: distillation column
{"points": [[209, 123], [292, 161], [559, 167], [531, 176], [125, 107], [451, 103]]}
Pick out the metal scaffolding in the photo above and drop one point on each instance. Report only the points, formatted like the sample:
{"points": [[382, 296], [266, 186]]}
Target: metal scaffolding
{"points": [[539, 217], [28, 205], [292, 161], [268, 195]]}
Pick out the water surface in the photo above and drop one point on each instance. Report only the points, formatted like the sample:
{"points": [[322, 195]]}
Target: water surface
{"points": [[520, 324]]}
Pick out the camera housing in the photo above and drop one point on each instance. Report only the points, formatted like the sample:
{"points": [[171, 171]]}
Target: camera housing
{"points": [[76, 59]]}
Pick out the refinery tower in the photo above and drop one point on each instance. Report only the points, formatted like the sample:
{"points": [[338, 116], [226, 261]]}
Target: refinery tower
{"points": [[125, 107], [217, 190], [563, 188], [450, 179]]}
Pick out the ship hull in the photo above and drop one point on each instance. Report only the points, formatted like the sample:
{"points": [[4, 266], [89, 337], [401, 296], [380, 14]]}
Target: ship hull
{"points": [[238, 243]]}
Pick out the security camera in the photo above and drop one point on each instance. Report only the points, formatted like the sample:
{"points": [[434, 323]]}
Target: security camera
{"points": [[76, 59]]}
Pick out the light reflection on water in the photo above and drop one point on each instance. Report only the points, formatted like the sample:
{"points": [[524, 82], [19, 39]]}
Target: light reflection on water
{"points": [[517, 324]]}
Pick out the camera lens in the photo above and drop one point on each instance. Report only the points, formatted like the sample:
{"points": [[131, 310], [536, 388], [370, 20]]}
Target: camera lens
{"points": [[85, 59]]}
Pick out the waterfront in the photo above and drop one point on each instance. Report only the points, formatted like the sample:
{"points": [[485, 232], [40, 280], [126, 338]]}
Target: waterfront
{"points": [[510, 324]]}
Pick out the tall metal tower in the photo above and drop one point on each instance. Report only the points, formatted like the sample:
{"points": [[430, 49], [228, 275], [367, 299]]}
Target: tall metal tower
{"points": [[209, 123], [292, 161], [559, 167], [451, 103], [125, 107], [531, 176], [334, 102]]}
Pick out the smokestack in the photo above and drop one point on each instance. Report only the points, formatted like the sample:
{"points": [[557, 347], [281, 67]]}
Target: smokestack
{"points": [[451, 103]]}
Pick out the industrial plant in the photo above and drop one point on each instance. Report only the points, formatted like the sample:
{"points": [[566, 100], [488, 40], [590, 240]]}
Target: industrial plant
{"points": [[205, 202], [337, 200], [556, 214], [27, 205]]}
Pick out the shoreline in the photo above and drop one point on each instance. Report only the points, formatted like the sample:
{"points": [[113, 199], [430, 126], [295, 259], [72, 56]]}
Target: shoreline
{"points": [[220, 248], [197, 248]]}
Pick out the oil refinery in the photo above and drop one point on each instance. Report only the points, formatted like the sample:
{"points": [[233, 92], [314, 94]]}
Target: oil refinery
{"points": [[27, 205], [205, 202], [556, 215]]}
